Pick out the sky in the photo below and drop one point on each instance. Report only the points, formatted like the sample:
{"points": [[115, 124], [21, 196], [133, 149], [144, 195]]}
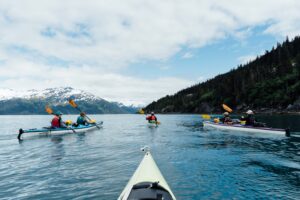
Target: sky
{"points": [[135, 51]]}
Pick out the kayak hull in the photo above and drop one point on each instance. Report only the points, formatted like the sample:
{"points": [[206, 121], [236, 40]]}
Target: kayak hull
{"points": [[153, 123], [147, 172], [243, 128], [58, 131]]}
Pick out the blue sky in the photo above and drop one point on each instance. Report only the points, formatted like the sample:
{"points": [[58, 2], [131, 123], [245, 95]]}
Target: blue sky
{"points": [[135, 51], [203, 63]]}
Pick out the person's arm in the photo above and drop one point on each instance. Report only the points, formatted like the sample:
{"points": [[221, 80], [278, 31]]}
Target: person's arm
{"points": [[62, 124], [86, 121]]}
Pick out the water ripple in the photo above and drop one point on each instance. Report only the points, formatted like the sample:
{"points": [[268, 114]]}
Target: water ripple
{"points": [[197, 164]]}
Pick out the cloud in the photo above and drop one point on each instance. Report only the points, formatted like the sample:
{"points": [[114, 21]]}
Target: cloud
{"points": [[89, 43], [246, 59], [187, 55], [110, 86], [201, 79]]}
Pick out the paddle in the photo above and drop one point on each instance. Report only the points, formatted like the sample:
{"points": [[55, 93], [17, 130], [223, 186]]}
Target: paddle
{"points": [[50, 111], [74, 105], [206, 116], [157, 122], [227, 108]]}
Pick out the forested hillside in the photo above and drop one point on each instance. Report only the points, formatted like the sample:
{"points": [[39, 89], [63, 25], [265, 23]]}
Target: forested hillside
{"points": [[269, 83]]}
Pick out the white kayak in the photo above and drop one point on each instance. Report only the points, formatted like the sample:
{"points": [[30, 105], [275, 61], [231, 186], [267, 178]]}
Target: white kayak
{"points": [[147, 182], [243, 128], [58, 131]]}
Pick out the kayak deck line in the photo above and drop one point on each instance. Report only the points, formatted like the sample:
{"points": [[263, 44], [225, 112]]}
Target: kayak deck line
{"points": [[239, 127], [54, 131], [147, 182]]}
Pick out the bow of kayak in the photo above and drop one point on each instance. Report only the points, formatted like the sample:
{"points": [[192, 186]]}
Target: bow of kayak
{"points": [[243, 128], [147, 182], [58, 131]]}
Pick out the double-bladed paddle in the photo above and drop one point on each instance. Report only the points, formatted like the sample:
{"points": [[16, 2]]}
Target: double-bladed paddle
{"points": [[74, 105]]}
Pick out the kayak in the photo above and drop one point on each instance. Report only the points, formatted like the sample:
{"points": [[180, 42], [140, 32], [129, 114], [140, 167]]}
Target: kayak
{"points": [[58, 131], [147, 182], [153, 123], [244, 128]]}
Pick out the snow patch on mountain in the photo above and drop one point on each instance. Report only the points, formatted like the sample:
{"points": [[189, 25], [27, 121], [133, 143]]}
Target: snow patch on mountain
{"points": [[60, 94]]}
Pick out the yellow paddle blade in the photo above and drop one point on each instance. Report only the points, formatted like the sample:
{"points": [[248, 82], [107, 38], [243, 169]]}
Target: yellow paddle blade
{"points": [[226, 108], [72, 103], [157, 122], [205, 116], [141, 111], [92, 121], [49, 110]]}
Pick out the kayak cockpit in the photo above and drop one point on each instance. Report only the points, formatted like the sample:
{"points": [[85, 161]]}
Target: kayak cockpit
{"points": [[149, 190]]}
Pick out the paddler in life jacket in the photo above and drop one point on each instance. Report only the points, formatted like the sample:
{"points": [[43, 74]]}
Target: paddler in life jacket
{"points": [[57, 121], [250, 120], [226, 118], [81, 120], [152, 118]]}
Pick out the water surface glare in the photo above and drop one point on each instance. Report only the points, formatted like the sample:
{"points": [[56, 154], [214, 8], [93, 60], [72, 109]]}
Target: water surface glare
{"points": [[197, 164]]}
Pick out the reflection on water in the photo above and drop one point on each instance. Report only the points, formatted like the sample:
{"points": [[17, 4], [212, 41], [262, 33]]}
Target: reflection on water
{"points": [[197, 164], [58, 152]]}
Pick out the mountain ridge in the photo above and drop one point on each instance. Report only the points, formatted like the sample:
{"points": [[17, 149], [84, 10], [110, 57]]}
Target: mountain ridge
{"points": [[34, 102]]}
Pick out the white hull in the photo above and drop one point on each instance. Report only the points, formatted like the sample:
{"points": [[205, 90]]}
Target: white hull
{"points": [[242, 128], [147, 171], [152, 125], [44, 132]]}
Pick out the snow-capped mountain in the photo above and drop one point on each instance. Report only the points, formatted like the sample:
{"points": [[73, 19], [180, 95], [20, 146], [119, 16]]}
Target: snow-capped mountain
{"points": [[60, 94], [34, 101]]}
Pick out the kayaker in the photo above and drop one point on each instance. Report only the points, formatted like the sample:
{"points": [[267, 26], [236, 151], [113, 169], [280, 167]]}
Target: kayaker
{"points": [[250, 120], [226, 118], [81, 120], [151, 118], [57, 121]]}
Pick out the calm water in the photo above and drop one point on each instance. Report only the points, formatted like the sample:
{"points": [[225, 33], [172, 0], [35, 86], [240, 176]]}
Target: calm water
{"points": [[197, 164]]}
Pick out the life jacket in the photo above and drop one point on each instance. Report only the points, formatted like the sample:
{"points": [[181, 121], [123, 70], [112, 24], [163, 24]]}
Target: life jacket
{"points": [[81, 120], [55, 122], [152, 117]]}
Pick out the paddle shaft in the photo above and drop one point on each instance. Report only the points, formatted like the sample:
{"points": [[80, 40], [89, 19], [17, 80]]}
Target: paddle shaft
{"points": [[87, 117]]}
